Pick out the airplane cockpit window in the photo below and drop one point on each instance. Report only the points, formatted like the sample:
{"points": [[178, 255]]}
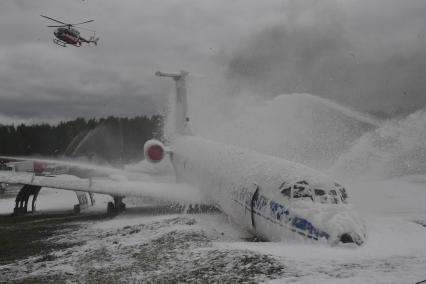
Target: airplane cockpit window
{"points": [[343, 194], [321, 195], [334, 196], [285, 190], [302, 191]]}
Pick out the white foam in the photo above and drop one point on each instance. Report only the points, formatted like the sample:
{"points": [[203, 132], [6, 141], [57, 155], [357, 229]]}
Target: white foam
{"points": [[300, 127], [397, 148]]}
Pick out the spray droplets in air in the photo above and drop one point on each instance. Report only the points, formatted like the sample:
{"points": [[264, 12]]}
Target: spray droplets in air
{"points": [[312, 130], [396, 148]]}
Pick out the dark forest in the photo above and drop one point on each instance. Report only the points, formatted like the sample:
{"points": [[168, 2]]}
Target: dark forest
{"points": [[112, 139]]}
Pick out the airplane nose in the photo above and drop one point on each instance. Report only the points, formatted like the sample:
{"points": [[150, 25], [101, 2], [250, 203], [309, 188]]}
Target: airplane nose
{"points": [[344, 226]]}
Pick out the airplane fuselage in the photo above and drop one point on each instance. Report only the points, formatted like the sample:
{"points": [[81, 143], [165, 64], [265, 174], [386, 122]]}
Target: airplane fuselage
{"points": [[271, 197]]}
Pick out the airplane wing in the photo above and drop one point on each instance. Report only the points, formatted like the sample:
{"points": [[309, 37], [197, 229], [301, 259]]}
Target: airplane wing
{"points": [[164, 191], [78, 168]]}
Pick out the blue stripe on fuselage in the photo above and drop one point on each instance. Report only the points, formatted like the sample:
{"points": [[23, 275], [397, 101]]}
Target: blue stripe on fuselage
{"points": [[282, 215], [305, 225]]}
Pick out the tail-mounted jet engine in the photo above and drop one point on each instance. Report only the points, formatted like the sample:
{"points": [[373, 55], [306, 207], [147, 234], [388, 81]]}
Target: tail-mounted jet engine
{"points": [[154, 151]]}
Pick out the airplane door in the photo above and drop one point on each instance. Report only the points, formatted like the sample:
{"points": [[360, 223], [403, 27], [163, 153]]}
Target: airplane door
{"points": [[245, 204], [251, 201]]}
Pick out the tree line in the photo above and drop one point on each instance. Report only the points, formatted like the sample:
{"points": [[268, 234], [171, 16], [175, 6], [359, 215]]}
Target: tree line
{"points": [[111, 138]]}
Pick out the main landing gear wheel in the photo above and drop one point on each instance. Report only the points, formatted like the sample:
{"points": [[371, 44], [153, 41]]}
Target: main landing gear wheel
{"points": [[110, 208], [22, 199], [116, 207]]}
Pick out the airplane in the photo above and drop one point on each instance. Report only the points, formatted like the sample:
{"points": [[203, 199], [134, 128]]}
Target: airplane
{"points": [[272, 198], [65, 34]]}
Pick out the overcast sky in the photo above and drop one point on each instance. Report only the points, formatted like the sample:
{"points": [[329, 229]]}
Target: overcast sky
{"points": [[368, 54]]}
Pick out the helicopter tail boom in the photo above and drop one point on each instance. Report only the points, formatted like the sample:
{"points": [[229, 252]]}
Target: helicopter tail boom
{"points": [[92, 39]]}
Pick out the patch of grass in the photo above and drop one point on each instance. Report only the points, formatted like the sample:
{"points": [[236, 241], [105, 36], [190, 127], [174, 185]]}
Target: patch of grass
{"points": [[24, 236]]}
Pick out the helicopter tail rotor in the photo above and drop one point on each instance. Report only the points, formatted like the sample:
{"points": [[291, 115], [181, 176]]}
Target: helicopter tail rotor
{"points": [[94, 40]]}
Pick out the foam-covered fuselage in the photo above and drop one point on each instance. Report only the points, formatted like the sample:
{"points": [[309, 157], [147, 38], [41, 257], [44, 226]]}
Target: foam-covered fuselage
{"points": [[271, 197]]}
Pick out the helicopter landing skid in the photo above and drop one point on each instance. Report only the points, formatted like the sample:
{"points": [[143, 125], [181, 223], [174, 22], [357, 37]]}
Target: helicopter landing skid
{"points": [[60, 42]]}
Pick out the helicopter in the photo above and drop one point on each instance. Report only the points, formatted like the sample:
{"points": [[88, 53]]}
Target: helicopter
{"points": [[68, 34]]}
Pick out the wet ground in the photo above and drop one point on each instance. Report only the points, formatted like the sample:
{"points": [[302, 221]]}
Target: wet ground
{"points": [[24, 241], [146, 244]]}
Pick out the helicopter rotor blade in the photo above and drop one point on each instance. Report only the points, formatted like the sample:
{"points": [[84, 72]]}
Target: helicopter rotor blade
{"points": [[83, 22], [57, 26], [54, 20]]}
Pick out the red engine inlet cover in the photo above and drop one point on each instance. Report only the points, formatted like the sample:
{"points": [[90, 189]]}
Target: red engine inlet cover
{"points": [[155, 153]]}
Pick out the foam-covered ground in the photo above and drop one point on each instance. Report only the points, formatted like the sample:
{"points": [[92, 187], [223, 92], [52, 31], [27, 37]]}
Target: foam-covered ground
{"points": [[146, 246]]}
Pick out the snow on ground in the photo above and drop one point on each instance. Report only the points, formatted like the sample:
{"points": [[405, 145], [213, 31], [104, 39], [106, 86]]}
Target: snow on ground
{"points": [[145, 246]]}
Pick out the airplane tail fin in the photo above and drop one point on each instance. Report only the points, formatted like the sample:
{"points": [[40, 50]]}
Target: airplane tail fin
{"points": [[181, 118]]}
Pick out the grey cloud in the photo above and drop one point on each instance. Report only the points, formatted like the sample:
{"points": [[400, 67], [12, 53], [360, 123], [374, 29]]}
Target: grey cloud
{"points": [[37, 84], [364, 60], [350, 51]]}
